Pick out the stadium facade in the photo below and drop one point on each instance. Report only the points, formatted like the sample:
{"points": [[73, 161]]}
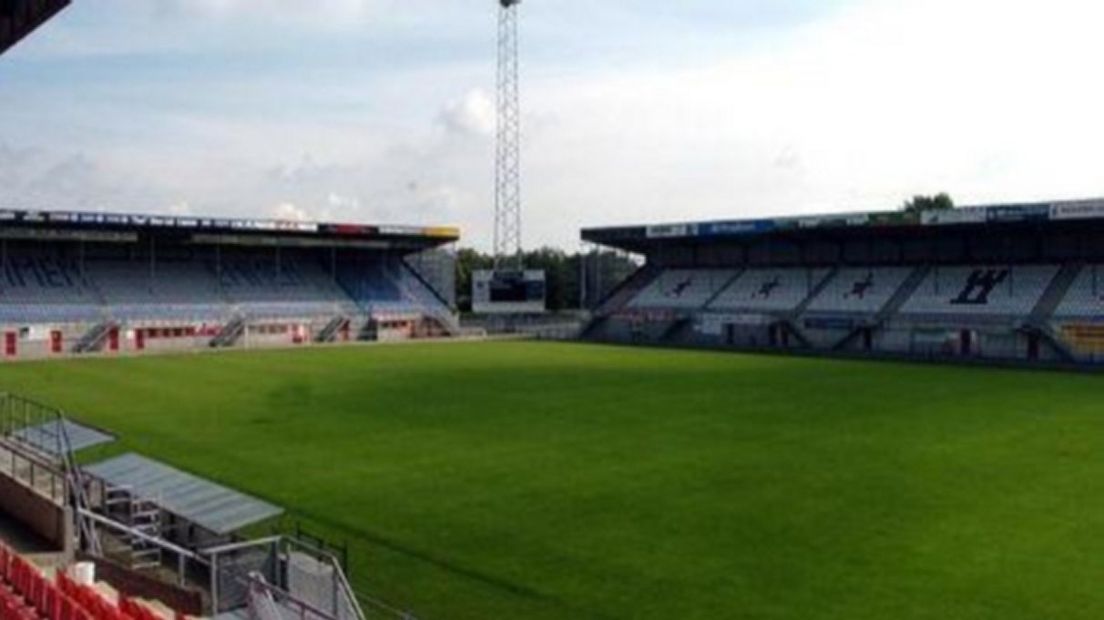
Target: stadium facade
{"points": [[1017, 283], [104, 282]]}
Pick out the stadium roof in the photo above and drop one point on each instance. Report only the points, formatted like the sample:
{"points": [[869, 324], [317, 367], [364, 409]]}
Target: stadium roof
{"points": [[642, 237], [45, 436], [18, 18], [207, 504], [84, 225]]}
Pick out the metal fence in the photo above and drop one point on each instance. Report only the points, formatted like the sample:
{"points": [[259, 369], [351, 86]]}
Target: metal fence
{"points": [[281, 575]]}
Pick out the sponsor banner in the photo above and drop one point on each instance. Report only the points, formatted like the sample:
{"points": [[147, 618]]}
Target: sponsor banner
{"points": [[348, 229], [894, 218], [1022, 213], [834, 221], [292, 226], [667, 231], [787, 223], [1084, 337], [1080, 210], [962, 215], [68, 235], [934, 336], [120, 220], [401, 231], [442, 232], [63, 217], [830, 322], [735, 318], [735, 228]]}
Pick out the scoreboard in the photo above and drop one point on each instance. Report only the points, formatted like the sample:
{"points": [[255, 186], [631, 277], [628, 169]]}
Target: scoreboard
{"points": [[508, 292]]}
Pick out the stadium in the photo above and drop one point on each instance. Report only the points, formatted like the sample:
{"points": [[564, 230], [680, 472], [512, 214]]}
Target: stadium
{"points": [[891, 414], [1003, 283], [90, 282]]}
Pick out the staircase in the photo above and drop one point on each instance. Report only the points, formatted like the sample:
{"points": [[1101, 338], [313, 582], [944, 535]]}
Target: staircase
{"points": [[817, 289], [142, 516], [94, 339], [626, 290], [592, 328], [1056, 342], [369, 331], [1038, 321], [791, 321], [426, 285], [722, 289], [230, 334], [674, 329], [912, 282], [899, 298], [330, 331], [1054, 294], [792, 330], [621, 295], [434, 305]]}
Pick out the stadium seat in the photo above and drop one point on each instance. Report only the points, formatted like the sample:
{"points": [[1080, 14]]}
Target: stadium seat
{"points": [[769, 290], [47, 288], [859, 290], [682, 289], [981, 290], [387, 287], [1085, 297]]}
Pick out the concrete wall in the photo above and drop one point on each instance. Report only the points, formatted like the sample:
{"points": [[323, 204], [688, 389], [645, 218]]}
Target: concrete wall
{"points": [[37, 345], [51, 522], [137, 585]]}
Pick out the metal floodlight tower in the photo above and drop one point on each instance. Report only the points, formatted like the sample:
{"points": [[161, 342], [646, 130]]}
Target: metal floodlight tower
{"points": [[507, 235]]}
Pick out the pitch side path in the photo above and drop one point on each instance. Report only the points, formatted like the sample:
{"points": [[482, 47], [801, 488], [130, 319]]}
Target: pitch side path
{"points": [[540, 481]]}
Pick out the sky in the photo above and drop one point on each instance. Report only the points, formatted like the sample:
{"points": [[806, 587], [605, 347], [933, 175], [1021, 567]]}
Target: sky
{"points": [[635, 111]]}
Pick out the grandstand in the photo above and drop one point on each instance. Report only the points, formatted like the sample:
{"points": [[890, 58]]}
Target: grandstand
{"points": [[86, 282], [1010, 283]]}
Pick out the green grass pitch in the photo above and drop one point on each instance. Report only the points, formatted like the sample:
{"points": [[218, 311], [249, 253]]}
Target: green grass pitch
{"points": [[540, 481]]}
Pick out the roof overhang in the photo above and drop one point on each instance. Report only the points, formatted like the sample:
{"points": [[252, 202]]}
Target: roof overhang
{"points": [[209, 505], [19, 18], [982, 219], [125, 227]]}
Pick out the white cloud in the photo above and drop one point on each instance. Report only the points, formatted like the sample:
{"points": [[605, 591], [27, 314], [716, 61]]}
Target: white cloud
{"points": [[886, 100], [180, 208], [474, 113], [289, 212], [290, 9]]}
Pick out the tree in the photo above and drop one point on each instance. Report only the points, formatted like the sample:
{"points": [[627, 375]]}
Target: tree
{"points": [[468, 261], [919, 204]]}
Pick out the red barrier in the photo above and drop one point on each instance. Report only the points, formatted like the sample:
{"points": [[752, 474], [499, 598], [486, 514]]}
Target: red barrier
{"points": [[26, 594]]}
